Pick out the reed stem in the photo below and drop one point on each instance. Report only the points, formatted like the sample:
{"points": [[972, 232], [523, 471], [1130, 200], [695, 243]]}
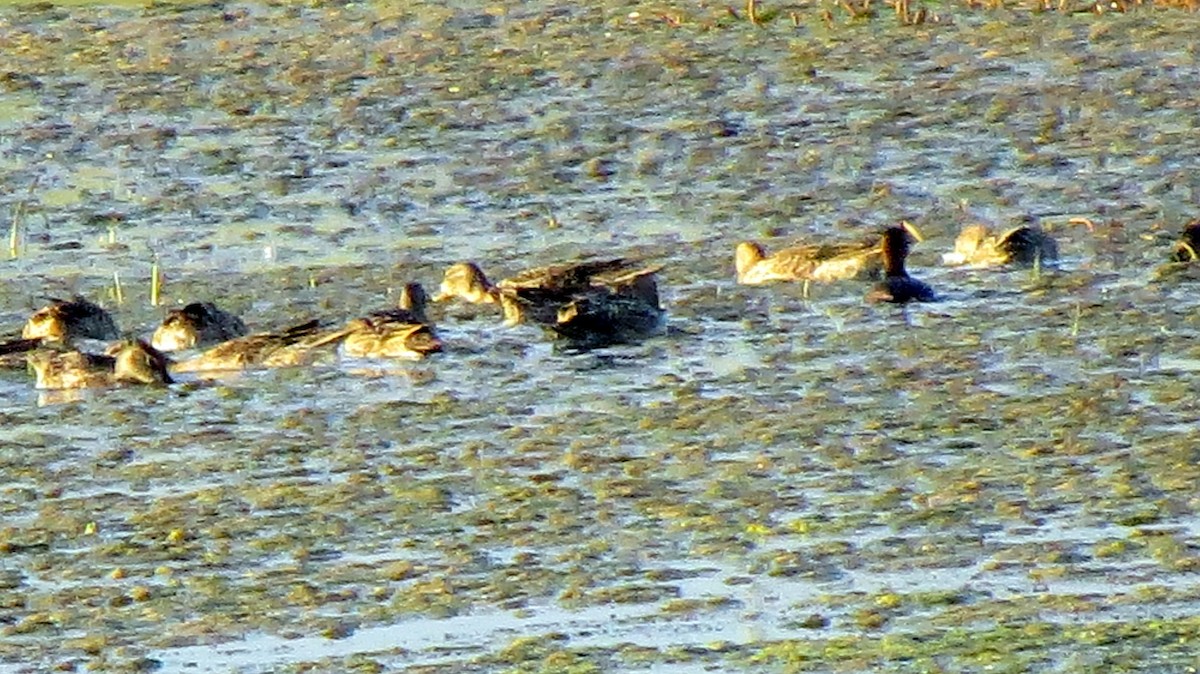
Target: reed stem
{"points": [[155, 283], [14, 230]]}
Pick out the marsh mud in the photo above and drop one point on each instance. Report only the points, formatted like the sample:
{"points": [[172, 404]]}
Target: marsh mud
{"points": [[1002, 481]]}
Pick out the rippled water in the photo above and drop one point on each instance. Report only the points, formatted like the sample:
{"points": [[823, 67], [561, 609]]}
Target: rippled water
{"points": [[1003, 480]]}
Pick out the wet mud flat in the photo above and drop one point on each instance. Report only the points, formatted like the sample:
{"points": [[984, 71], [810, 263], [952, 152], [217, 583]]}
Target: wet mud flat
{"points": [[1002, 481]]}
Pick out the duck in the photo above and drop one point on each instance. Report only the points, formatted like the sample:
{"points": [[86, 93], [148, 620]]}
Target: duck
{"points": [[821, 263], [196, 325], [536, 295], [1187, 248], [544, 307], [600, 318], [1021, 246], [897, 286], [466, 281], [131, 361], [400, 332], [378, 336], [291, 346], [67, 320]]}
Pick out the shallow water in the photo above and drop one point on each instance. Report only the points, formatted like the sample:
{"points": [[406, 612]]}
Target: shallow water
{"points": [[1002, 481]]}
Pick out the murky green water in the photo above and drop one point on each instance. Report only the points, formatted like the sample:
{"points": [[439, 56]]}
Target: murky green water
{"points": [[1004, 481]]}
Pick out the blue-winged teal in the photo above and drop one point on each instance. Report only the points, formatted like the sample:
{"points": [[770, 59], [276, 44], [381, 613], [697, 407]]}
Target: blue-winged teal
{"points": [[195, 325], [1023, 245], [68, 320], [822, 263], [292, 346], [126, 362], [466, 281], [897, 286], [402, 332], [536, 295], [543, 306]]}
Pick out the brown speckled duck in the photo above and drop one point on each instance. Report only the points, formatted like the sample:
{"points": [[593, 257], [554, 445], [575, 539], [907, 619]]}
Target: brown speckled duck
{"points": [[68, 320], [126, 362], [292, 346], [402, 332], [195, 325], [1022, 246], [466, 281], [821, 263], [536, 295]]}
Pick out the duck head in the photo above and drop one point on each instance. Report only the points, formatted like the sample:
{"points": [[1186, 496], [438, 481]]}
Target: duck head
{"points": [[897, 241], [466, 281], [414, 300], [746, 256], [137, 362]]}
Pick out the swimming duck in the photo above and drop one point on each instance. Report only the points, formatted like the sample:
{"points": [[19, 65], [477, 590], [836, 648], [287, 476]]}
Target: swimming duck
{"points": [[402, 332], [127, 362], [411, 305], [600, 318], [1187, 249], [196, 324], [1023, 245], [897, 286], [292, 346], [621, 292], [467, 281], [377, 336], [822, 263], [536, 295], [68, 320]]}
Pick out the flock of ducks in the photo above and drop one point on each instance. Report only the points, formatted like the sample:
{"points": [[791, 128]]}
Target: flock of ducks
{"points": [[590, 303], [587, 303]]}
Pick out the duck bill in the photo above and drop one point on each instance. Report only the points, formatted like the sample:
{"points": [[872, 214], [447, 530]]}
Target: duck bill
{"points": [[912, 230]]}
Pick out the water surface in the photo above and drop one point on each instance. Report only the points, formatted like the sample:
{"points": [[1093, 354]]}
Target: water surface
{"points": [[1000, 481]]}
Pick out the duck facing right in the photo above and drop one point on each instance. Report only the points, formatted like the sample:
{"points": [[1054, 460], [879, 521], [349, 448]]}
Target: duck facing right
{"points": [[897, 286]]}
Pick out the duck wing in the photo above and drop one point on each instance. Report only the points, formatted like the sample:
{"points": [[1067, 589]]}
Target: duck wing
{"points": [[1027, 245], [248, 351], [564, 278], [597, 319]]}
